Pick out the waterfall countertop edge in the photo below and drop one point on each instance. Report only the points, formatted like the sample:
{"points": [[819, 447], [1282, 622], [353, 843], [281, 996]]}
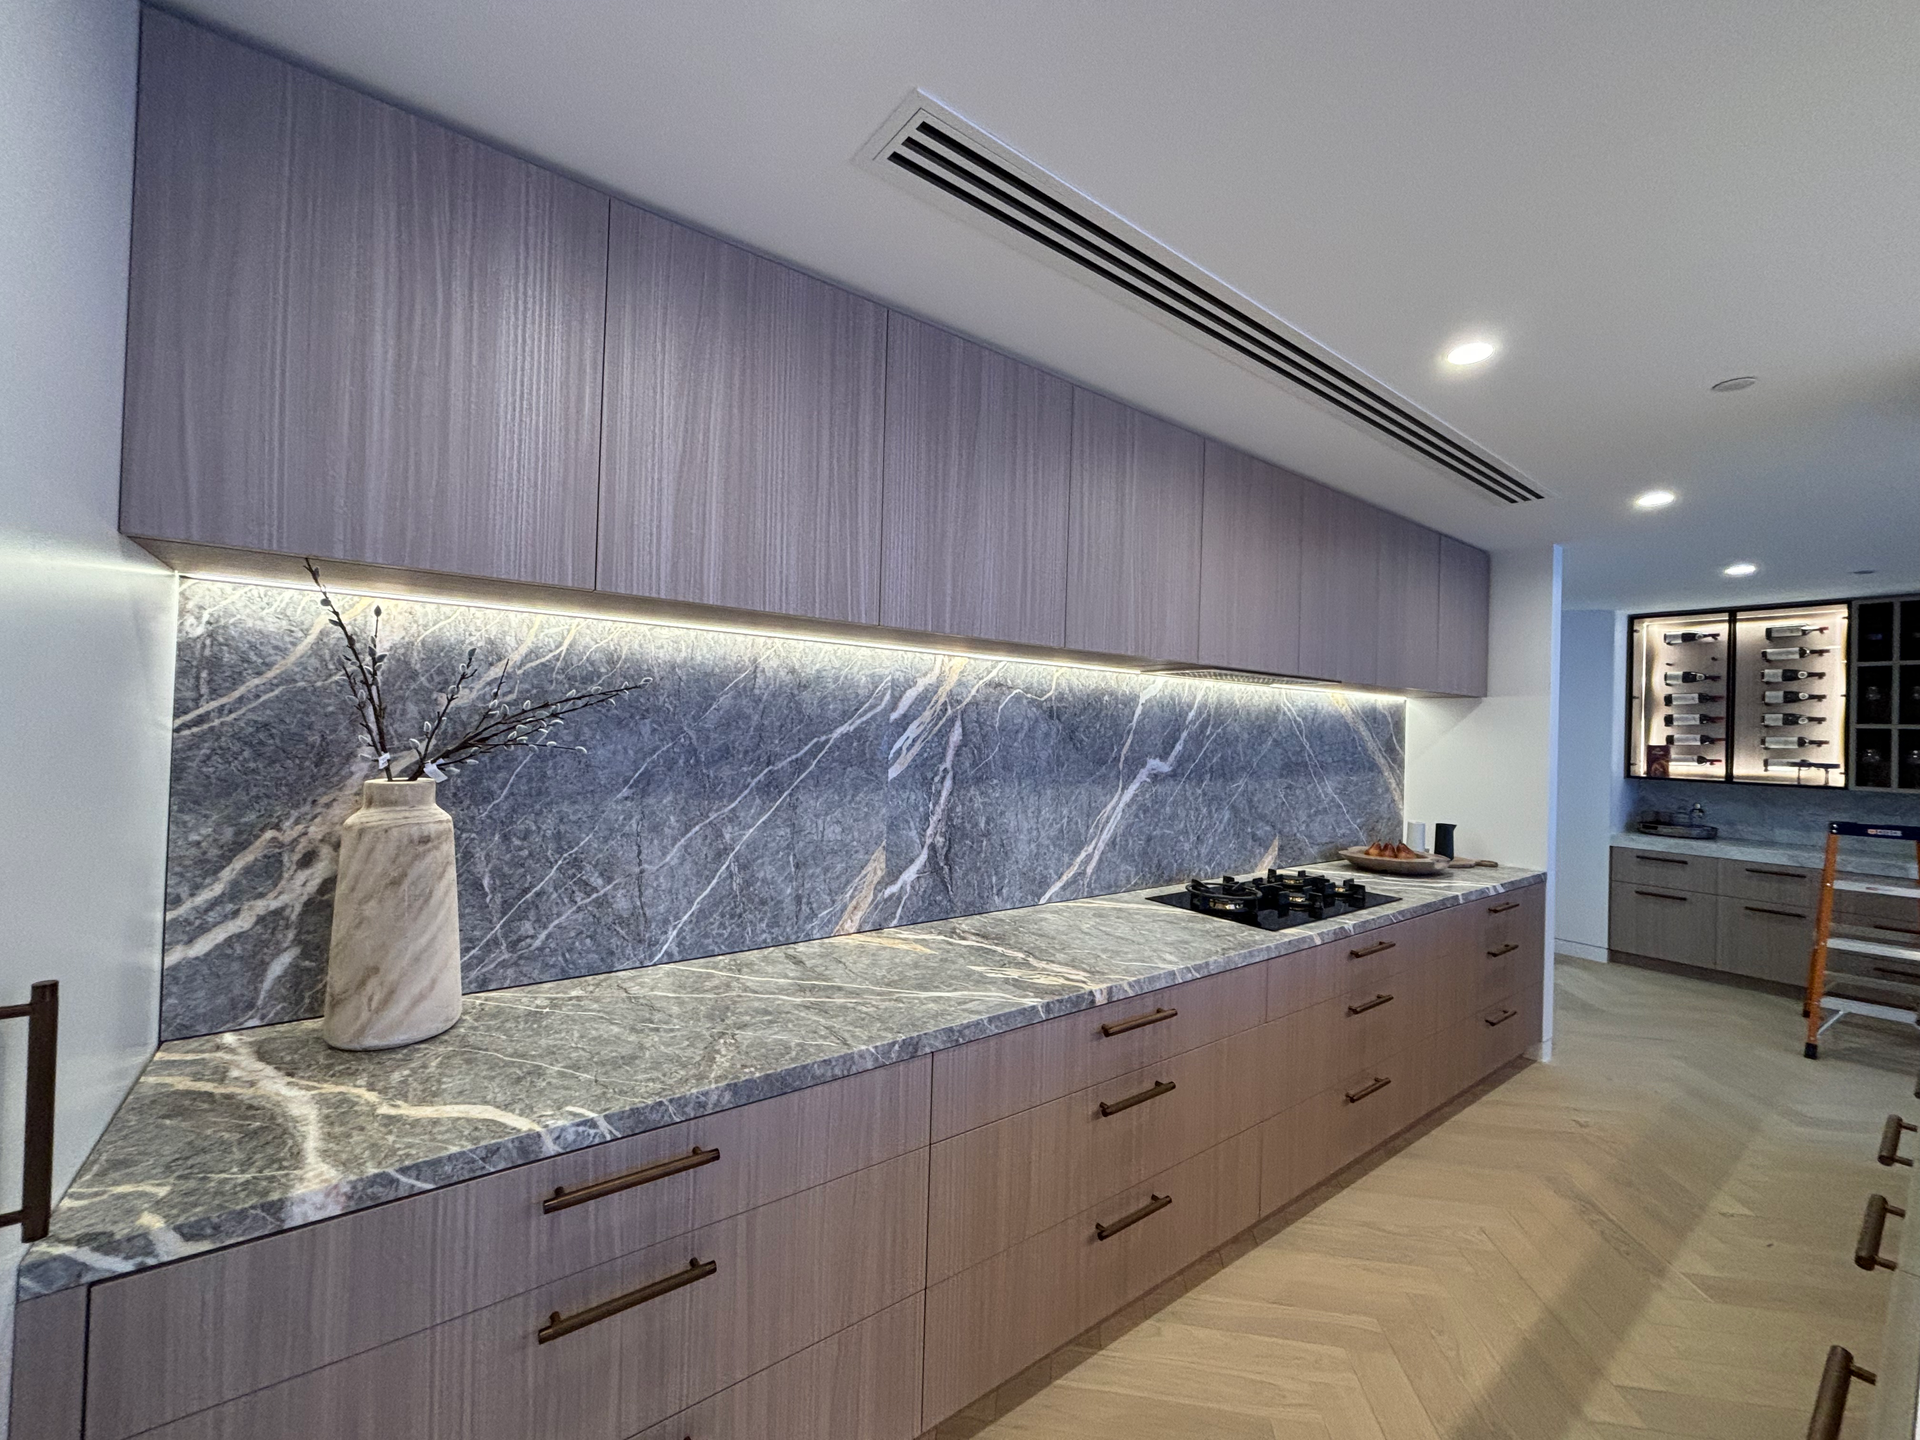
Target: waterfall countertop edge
{"points": [[232, 1137]]}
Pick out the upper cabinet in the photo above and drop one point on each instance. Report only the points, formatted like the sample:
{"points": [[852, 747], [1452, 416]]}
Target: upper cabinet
{"points": [[1407, 614], [1339, 587], [1463, 608], [743, 423], [979, 456], [1250, 563], [353, 333]]}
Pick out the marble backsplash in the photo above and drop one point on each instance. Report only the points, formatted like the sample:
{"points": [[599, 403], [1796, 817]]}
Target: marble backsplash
{"points": [[760, 791], [1776, 814]]}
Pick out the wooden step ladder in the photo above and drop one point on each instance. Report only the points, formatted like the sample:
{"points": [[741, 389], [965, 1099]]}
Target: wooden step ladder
{"points": [[1900, 980]]}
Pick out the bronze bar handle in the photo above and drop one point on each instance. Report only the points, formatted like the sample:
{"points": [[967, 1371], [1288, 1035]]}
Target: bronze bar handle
{"points": [[558, 1324], [1152, 1092], [1660, 859], [1380, 1082], [1890, 1141], [1503, 950], [1371, 950], [1830, 1406], [1768, 910], [1502, 1017], [563, 1198], [1873, 1229], [1133, 1217], [1656, 895], [1777, 874], [1502, 909], [42, 1014], [1365, 1005], [1121, 1027]]}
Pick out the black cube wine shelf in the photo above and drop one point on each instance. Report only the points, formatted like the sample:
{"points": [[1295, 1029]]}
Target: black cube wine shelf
{"points": [[1885, 750]]}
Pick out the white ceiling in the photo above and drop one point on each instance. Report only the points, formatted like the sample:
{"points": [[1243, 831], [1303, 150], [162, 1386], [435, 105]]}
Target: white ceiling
{"points": [[1638, 198]]}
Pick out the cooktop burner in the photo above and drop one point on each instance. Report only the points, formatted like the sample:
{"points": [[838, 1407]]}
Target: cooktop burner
{"points": [[1274, 901]]}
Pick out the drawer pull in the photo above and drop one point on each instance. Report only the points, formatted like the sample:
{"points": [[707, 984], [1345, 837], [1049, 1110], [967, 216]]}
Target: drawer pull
{"points": [[1138, 1022], [1777, 874], [1656, 895], [1502, 1017], [1502, 909], [1133, 1217], [1660, 859], [1365, 1005], [1503, 950], [558, 1324], [1912, 976], [563, 1198], [1380, 1082], [1766, 910], [1830, 1406], [1152, 1092], [1371, 950], [1873, 1229], [1890, 1141], [1896, 929]]}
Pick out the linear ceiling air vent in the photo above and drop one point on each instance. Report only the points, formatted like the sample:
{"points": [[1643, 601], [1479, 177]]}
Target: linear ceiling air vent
{"points": [[931, 151]]}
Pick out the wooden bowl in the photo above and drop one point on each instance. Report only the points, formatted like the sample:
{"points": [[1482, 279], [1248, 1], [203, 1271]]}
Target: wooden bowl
{"points": [[1422, 864]]}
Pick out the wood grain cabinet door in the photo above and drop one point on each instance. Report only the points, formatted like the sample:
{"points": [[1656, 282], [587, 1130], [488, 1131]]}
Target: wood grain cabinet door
{"points": [[1250, 563], [1133, 557], [1339, 587], [1464, 600], [353, 333], [743, 429], [979, 458], [1408, 657]]}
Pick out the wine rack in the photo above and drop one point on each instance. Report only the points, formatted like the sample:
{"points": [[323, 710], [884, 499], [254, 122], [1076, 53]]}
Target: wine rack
{"points": [[1885, 749], [1789, 695], [1679, 696]]}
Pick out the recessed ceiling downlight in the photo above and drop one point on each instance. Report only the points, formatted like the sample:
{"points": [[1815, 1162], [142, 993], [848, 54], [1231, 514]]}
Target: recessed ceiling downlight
{"points": [[1654, 500], [1739, 568], [1738, 382], [1472, 352]]}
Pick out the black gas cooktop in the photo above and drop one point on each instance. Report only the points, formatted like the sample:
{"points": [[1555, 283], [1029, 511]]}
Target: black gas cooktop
{"points": [[1275, 901]]}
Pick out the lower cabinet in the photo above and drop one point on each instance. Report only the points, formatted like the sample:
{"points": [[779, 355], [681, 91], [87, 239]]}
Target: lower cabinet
{"points": [[1663, 923], [855, 1261], [1764, 939]]}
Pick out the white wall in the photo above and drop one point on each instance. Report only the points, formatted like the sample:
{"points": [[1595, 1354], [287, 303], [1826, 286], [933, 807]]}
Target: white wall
{"points": [[86, 620], [1489, 765], [1592, 757]]}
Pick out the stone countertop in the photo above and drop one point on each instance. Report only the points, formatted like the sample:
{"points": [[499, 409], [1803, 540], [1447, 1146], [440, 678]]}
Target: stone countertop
{"points": [[1858, 857], [230, 1137]]}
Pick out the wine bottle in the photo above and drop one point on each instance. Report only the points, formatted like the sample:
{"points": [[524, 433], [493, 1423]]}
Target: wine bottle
{"points": [[1788, 742], [1688, 637], [1692, 697], [1790, 652], [1774, 677], [1791, 719], [1790, 697], [1693, 739], [1687, 677], [1794, 632], [1674, 720]]}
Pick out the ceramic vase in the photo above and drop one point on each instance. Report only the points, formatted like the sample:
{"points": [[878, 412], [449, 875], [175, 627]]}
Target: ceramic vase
{"points": [[393, 968]]}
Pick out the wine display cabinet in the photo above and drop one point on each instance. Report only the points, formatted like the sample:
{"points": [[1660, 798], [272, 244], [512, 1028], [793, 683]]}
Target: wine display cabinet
{"points": [[1886, 688], [1756, 696]]}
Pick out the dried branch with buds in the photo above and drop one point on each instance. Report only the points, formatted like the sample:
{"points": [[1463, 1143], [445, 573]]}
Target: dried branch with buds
{"points": [[442, 746]]}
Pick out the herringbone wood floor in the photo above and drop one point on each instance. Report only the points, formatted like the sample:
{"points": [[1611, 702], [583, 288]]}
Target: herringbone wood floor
{"points": [[1651, 1236]]}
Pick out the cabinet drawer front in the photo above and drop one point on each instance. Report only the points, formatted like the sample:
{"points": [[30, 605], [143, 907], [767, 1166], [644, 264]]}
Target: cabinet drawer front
{"points": [[1792, 885], [860, 1384], [1356, 966], [996, 1185], [1892, 914], [812, 1263], [1765, 939], [977, 1083], [1304, 1145], [1666, 924], [1699, 873], [181, 1337], [988, 1322]]}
